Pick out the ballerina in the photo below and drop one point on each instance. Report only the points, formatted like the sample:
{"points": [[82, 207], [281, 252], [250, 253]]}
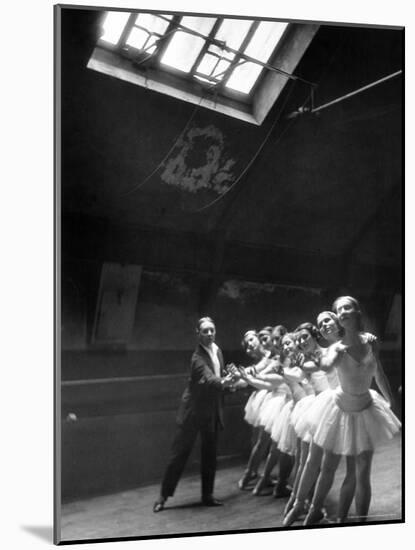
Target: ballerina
{"points": [[254, 404], [351, 420], [282, 431], [272, 378], [307, 336], [330, 330]]}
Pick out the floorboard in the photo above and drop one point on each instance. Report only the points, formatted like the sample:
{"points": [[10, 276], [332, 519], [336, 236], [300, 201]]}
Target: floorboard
{"points": [[129, 514]]}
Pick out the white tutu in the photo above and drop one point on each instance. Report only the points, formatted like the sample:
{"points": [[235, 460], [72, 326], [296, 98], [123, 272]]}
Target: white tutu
{"points": [[301, 409], [283, 432], [348, 424], [253, 406], [271, 408]]}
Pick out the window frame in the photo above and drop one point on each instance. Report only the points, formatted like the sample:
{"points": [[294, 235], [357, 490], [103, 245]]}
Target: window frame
{"points": [[144, 69]]}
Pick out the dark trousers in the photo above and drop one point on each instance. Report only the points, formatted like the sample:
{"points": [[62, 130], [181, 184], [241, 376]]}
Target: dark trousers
{"points": [[183, 443]]}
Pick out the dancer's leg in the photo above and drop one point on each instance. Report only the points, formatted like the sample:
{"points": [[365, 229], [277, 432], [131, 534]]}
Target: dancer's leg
{"points": [[363, 487], [281, 489], [347, 490], [324, 483], [295, 506], [270, 463], [258, 452]]}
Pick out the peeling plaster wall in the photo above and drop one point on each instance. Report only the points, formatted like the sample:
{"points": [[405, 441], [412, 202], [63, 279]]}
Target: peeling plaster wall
{"points": [[199, 161], [166, 311]]}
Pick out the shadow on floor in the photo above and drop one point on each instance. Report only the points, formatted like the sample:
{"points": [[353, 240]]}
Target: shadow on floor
{"points": [[44, 532]]}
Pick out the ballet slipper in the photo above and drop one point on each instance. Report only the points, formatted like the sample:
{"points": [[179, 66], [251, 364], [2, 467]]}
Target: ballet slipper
{"points": [[315, 515], [294, 514], [289, 504], [246, 479], [261, 485]]}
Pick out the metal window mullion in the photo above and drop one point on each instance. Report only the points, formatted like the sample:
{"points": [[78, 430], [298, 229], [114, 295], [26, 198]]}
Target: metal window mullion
{"points": [[126, 31], [253, 60], [206, 45], [237, 59], [165, 43]]}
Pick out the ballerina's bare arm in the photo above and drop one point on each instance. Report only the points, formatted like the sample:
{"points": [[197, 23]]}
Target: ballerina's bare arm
{"points": [[293, 374], [273, 378], [271, 367], [258, 383], [238, 382], [262, 364], [331, 356]]}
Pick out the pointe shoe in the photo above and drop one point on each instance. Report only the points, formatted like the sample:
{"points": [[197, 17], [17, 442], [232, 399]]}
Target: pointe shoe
{"points": [[261, 485], [289, 504], [314, 516], [158, 506], [294, 514], [246, 479]]}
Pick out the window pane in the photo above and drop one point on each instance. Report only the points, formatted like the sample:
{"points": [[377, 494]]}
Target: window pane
{"points": [[244, 77], [221, 68], [137, 38], [207, 64], [184, 47], [264, 40], [113, 26], [149, 27], [260, 47], [233, 31], [153, 23]]}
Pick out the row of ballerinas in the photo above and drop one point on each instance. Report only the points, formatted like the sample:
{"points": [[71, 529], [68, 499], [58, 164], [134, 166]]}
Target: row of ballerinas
{"points": [[310, 406]]}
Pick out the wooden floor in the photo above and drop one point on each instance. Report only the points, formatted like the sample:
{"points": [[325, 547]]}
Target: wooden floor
{"points": [[129, 514]]}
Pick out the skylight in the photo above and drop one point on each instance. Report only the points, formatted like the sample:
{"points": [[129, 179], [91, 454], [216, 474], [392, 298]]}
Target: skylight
{"points": [[194, 48], [235, 66]]}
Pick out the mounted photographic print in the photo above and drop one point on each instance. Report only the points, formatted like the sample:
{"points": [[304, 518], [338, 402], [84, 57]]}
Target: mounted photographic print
{"points": [[229, 204]]}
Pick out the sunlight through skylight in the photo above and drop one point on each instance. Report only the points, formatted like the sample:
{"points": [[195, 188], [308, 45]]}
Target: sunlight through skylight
{"points": [[147, 30], [184, 48], [113, 26], [260, 47], [232, 32]]}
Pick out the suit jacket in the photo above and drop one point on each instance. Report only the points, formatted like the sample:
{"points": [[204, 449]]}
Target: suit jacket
{"points": [[203, 397]]}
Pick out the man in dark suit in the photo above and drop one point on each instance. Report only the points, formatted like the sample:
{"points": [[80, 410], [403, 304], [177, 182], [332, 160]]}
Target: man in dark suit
{"points": [[200, 411]]}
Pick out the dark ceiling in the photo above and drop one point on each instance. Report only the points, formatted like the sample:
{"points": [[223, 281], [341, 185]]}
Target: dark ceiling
{"points": [[320, 190]]}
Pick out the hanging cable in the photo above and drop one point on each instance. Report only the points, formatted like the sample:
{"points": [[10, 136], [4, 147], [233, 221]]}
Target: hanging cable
{"points": [[223, 46], [255, 156], [160, 164], [181, 134]]}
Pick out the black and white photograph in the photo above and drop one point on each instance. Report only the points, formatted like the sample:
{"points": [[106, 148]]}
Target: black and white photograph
{"points": [[229, 295]]}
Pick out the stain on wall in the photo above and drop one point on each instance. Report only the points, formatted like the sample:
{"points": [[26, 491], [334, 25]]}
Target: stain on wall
{"points": [[200, 161]]}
